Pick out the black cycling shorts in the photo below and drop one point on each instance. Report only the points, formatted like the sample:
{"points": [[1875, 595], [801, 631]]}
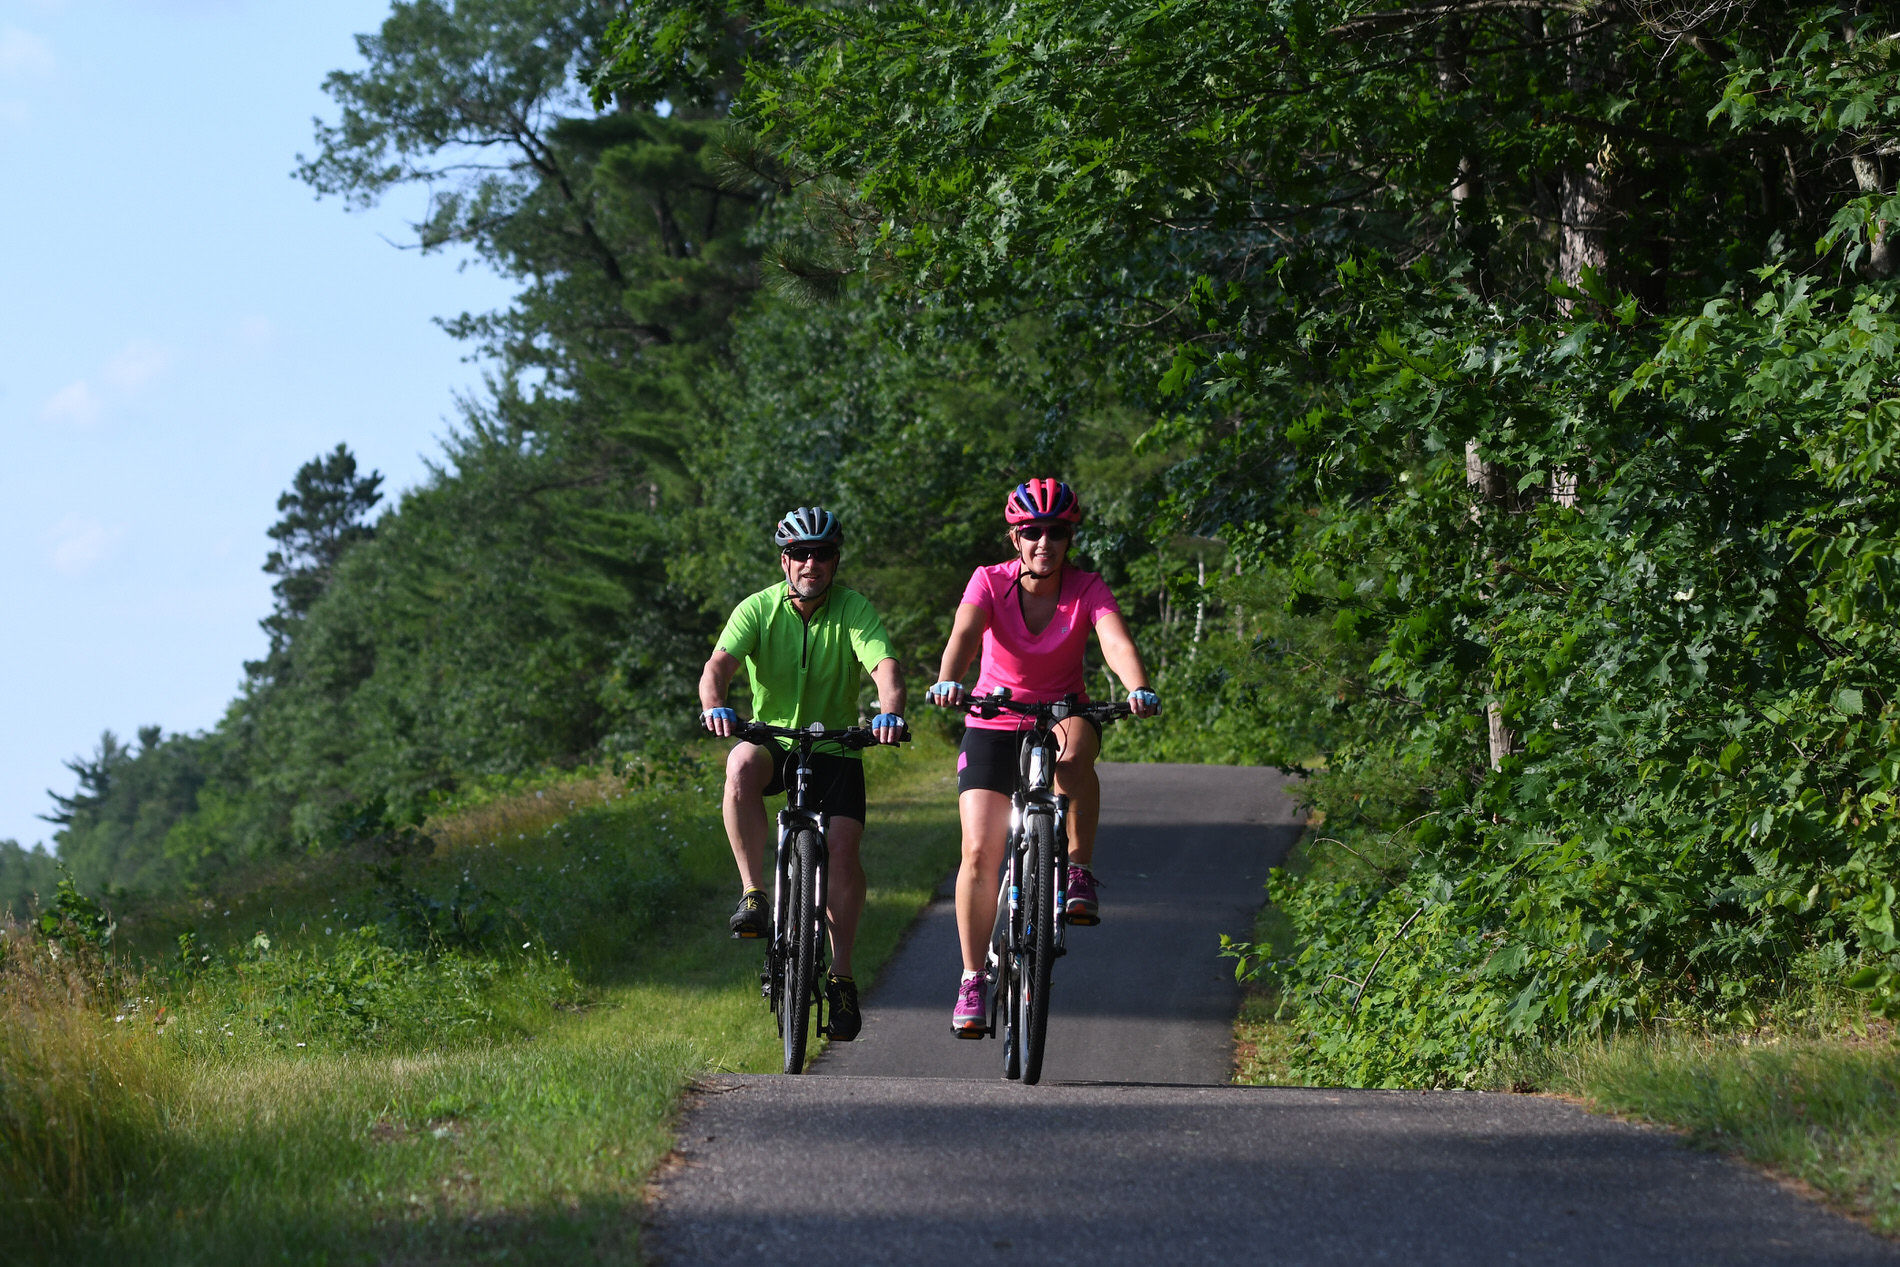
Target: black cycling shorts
{"points": [[990, 759], [837, 783]]}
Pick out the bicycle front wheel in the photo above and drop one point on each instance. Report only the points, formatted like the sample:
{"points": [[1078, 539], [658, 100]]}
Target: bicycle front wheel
{"points": [[1003, 960], [801, 950], [1038, 941]]}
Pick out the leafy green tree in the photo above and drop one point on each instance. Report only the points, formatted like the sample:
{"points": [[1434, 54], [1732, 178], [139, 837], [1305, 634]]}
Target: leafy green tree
{"points": [[627, 232], [27, 877], [1495, 337]]}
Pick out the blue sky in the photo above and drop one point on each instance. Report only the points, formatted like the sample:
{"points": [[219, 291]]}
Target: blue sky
{"points": [[181, 326]]}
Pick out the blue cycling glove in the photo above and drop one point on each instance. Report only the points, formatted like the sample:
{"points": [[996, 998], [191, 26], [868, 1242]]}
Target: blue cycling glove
{"points": [[887, 721], [945, 692], [1146, 698], [719, 714]]}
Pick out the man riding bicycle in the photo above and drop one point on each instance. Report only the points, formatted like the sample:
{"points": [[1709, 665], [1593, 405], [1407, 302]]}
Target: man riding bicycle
{"points": [[1030, 616], [802, 643]]}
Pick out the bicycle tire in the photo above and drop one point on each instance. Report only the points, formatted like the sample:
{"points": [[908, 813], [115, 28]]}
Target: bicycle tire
{"points": [[1003, 1000], [801, 951], [1039, 940]]}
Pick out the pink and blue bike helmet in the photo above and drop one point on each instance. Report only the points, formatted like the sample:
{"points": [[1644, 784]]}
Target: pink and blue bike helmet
{"points": [[1043, 499]]}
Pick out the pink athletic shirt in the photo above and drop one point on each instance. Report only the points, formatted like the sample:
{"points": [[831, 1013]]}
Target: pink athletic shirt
{"points": [[1035, 667]]}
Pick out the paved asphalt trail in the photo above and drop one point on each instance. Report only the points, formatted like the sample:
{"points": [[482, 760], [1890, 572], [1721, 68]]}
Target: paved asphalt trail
{"points": [[908, 1147]]}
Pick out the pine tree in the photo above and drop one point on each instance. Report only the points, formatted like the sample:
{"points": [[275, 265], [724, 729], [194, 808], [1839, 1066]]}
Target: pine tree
{"points": [[325, 512]]}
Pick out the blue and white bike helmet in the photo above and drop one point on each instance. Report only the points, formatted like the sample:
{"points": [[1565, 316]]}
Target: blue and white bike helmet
{"points": [[809, 526]]}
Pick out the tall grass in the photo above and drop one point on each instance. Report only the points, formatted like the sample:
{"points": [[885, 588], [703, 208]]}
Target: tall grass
{"points": [[464, 1056], [80, 1085], [1824, 1109]]}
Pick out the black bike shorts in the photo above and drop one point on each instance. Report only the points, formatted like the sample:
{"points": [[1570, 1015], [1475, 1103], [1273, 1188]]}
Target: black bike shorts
{"points": [[837, 783], [990, 759]]}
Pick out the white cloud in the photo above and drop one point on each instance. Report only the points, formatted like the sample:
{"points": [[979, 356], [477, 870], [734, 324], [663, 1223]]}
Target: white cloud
{"points": [[131, 369], [23, 53], [137, 364], [75, 404], [79, 543]]}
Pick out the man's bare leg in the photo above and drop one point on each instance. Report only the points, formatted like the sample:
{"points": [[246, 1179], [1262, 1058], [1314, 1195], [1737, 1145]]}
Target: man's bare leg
{"points": [[748, 770], [844, 890]]}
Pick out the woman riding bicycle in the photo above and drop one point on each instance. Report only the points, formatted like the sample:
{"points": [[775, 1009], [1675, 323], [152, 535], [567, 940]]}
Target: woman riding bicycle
{"points": [[1030, 616]]}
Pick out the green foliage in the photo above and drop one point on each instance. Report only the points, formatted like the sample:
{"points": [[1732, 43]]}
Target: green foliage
{"points": [[423, 1100], [325, 512], [1822, 1109], [25, 874], [1487, 408], [360, 992], [114, 828], [73, 918], [1483, 338]]}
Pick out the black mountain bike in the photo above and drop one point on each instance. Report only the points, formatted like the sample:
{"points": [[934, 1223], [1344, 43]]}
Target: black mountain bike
{"points": [[1028, 936], [793, 979]]}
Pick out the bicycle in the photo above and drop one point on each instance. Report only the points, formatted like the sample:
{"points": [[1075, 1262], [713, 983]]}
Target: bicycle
{"points": [[795, 956], [1028, 936]]}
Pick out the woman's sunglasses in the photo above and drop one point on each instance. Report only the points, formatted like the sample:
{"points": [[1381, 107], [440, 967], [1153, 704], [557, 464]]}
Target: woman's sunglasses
{"points": [[1036, 532], [803, 554]]}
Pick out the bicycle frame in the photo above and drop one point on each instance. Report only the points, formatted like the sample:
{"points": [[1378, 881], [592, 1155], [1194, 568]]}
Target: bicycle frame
{"points": [[1035, 794], [796, 816]]}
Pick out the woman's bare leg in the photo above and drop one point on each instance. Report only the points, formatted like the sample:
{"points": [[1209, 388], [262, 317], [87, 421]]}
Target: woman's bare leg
{"points": [[985, 816], [1077, 748]]}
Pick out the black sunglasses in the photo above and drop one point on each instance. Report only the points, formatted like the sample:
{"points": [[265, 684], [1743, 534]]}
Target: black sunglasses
{"points": [[1055, 532], [801, 554]]}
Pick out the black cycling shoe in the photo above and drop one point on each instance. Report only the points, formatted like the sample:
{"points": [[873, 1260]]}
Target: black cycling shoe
{"points": [[750, 919], [841, 997]]}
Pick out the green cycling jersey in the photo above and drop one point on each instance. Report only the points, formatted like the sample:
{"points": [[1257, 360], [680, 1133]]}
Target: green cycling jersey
{"points": [[805, 671]]}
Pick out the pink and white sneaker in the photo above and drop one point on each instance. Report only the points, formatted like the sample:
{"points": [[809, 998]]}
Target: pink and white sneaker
{"points": [[1081, 907], [971, 1017]]}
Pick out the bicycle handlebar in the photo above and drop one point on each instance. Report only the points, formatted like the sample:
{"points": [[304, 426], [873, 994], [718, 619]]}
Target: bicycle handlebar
{"points": [[999, 701], [849, 737]]}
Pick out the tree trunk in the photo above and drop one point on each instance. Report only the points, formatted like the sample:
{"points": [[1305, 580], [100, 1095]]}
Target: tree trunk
{"points": [[1882, 257], [1490, 489], [1200, 605], [1583, 203]]}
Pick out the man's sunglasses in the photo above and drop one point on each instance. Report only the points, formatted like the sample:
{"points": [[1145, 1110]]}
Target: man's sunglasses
{"points": [[1036, 532], [803, 554]]}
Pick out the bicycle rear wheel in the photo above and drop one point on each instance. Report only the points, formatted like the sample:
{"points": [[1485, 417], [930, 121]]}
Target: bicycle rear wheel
{"points": [[801, 966], [1038, 941]]}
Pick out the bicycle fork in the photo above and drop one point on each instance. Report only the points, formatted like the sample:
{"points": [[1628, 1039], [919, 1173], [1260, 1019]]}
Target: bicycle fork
{"points": [[1058, 806]]}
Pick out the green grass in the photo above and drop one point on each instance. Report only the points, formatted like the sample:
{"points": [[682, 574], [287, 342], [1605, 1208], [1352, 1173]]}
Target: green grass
{"points": [[1821, 1108], [283, 1103], [1812, 1093]]}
